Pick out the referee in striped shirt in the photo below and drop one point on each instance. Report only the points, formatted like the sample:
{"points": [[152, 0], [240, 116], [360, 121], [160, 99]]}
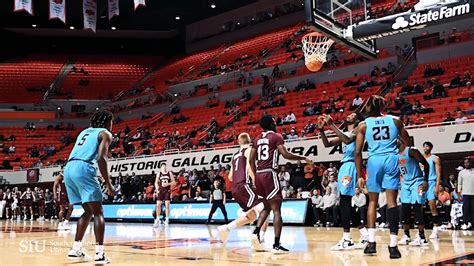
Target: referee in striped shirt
{"points": [[217, 199]]}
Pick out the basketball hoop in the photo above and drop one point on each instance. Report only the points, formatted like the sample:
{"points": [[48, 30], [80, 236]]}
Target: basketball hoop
{"points": [[315, 48]]}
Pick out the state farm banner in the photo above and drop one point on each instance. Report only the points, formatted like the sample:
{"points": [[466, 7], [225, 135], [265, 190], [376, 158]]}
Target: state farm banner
{"points": [[26, 5], [446, 139], [113, 8], [57, 9], [89, 8], [410, 20], [139, 3]]}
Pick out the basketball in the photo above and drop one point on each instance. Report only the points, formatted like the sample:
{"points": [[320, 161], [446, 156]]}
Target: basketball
{"points": [[313, 64]]}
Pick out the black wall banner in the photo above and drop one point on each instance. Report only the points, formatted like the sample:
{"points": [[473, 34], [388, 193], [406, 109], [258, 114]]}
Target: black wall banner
{"points": [[411, 20]]}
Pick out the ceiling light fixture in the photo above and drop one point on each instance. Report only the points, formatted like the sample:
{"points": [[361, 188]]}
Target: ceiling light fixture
{"points": [[177, 17], [34, 25], [213, 6], [71, 28], [113, 28]]}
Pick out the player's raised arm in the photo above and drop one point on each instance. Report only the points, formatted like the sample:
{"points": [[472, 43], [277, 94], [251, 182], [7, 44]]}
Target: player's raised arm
{"points": [[360, 140], [105, 139], [415, 153], [290, 156], [341, 136]]}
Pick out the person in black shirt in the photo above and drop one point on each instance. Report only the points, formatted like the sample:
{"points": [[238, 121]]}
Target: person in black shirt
{"points": [[448, 118], [298, 176], [204, 185]]}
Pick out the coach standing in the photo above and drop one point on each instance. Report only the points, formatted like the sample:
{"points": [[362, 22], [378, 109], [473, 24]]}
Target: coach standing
{"points": [[466, 188], [217, 199]]}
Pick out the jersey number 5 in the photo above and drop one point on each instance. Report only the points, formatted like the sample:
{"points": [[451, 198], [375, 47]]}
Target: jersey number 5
{"points": [[262, 152], [381, 133], [82, 140]]}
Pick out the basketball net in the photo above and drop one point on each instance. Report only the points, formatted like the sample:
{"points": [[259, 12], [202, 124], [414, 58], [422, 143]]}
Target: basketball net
{"points": [[315, 48]]}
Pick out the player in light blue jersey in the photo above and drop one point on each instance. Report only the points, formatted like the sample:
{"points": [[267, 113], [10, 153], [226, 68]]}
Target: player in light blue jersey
{"points": [[413, 192], [433, 183], [346, 178], [82, 185], [381, 133]]}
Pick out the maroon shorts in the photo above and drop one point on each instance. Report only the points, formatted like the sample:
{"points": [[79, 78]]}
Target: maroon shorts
{"points": [[40, 203], [245, 196], [268, 186], [164, 194], [27, 203], [63, 200]]}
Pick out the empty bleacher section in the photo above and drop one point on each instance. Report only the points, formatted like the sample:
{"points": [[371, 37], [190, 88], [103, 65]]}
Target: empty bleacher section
{"points": [[26, 80], [102, 77]]}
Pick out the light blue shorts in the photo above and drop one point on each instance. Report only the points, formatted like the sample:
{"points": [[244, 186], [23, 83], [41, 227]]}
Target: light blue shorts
{"points": [[346, 179], [411, 192], [81, 182], [383, 173], [430, 193]]}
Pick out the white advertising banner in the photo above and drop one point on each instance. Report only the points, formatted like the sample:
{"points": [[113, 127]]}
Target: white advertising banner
{"points": [[19, 177], [89, 8], [26, 5], [138, 3], [57, 9], [446, 139], [113, 7]]}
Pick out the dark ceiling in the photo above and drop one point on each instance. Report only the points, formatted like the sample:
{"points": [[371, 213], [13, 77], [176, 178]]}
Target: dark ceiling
{"points": [[158, 15], [151, 29]]}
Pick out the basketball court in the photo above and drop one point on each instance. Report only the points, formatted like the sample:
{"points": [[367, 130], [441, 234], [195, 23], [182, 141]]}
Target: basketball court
{"points": [[35, 243]]}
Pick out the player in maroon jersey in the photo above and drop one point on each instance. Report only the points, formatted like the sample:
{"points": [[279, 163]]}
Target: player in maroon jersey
{"points": [[60, 197], [27, 201], [242, 190], [39, 193], [263, 164], [163, 182]]}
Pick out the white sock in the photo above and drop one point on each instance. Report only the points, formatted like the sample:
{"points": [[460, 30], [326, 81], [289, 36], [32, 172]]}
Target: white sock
{"points": [[66, 221], [363, 231], [262, 234], [393, 240], [371, 232], [99, 249], [435, 229], [346, 235], [76, 245], [232, 225]]}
